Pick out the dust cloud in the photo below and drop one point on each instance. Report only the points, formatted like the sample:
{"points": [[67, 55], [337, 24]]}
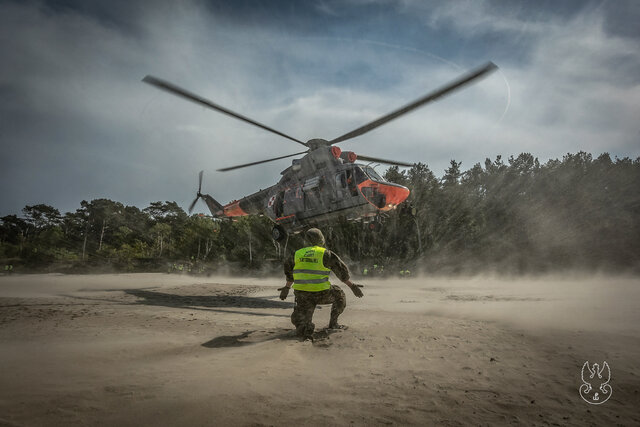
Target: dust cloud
{"points": [[568, 302]]}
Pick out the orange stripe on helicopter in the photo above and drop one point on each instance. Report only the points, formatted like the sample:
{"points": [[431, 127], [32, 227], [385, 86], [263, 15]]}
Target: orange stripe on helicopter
{"points": [[233, 209]]}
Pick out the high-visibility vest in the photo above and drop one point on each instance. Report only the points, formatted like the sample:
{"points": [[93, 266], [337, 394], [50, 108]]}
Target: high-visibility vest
{"points": [[309, 272]]}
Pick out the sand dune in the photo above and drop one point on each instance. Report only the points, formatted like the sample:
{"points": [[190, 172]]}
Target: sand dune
{"points": [[179, 350]]}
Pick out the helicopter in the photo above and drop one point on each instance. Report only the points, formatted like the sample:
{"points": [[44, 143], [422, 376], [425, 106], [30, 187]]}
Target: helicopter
{"points": [[326, 184]]}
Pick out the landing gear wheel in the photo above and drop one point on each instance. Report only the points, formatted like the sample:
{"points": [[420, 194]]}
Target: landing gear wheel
{"points": [[278, 233], [375, 226]]}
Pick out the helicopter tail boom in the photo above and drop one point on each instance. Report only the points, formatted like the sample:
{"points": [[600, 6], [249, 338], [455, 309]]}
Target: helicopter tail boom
{"points": [[217, 210], [234, 209], [229, 210]]}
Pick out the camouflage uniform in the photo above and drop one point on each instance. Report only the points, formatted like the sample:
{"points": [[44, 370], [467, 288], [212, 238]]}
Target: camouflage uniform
{"points": [[306, 304]]}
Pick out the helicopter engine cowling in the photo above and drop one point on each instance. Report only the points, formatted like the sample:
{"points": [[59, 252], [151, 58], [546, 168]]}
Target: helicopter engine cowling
{"points": [[349, 156]]}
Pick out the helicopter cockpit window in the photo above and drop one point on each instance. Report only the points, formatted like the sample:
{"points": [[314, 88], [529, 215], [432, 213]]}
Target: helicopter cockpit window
{"points": [[373, 174], [360, 176], [341, 180]]}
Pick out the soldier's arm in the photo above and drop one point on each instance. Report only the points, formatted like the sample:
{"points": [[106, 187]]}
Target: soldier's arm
{"points": [[288, 270], [339, 268]]}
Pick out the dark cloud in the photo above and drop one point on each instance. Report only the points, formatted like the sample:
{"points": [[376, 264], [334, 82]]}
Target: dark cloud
{"points": [[122, 15], [77, 123], [622, 18]]}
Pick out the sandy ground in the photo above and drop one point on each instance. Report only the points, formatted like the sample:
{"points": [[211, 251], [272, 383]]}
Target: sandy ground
{"points": [[153, 349]]}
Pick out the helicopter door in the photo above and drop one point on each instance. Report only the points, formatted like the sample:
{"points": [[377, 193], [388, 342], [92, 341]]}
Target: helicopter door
{"points": [[278, 205], [351, 183], [311, 189], [341, 185], [345, 185], [292, 201]]}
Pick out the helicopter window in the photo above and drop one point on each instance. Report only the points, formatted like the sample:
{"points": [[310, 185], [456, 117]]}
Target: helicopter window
{"points": [[311, 183], [341, 180], [373, 174], [351, 182], [360, 176]]}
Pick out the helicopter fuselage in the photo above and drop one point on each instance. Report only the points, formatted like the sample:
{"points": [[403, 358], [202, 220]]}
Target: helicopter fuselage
{"points": [[324, 186]]}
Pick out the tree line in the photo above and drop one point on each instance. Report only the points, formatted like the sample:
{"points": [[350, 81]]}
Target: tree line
{"points": [[513, 216]]}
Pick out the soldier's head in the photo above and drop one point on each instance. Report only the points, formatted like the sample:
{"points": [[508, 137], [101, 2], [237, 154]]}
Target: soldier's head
{"points": [[313, 236]]}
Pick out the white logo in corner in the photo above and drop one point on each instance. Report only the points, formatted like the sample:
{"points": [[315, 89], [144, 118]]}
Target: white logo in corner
{"points": [[595, 388]]}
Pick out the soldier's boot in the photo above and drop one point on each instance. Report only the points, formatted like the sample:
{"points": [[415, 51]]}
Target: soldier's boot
{"points": [[305, 331], [339, 303], [333, 322]]}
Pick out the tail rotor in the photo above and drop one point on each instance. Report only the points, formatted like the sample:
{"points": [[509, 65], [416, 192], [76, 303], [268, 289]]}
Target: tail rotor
{"points": [[198, 194]]}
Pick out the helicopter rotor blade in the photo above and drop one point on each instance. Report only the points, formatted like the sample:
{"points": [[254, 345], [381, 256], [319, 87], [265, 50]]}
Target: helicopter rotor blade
{"points": [[388, 162], [260, 161], [171, 88], [456, 84]]}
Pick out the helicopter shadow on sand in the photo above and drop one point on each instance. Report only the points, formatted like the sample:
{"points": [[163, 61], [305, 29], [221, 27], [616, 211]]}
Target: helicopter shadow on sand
{"points": [[217, 303]]}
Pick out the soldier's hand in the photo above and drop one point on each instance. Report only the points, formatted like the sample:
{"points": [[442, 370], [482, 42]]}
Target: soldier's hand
{"points": [[284, 291], [356, 290]]}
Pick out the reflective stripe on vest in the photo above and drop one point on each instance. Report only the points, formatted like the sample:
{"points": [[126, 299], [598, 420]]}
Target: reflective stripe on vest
{"points": [[309, 272]]}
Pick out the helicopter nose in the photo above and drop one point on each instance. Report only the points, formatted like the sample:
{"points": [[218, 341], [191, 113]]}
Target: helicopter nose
{"points": [[395, 194], [384, 196]]}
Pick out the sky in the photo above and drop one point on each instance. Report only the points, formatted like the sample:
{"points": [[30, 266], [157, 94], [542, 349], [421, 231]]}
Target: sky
{"points": [[77, 123]]}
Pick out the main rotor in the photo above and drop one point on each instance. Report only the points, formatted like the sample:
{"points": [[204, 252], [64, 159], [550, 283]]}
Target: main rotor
{"points": [[316, 143]]}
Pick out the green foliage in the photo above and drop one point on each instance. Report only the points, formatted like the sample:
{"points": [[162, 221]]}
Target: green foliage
{"points": [[513, 216]]}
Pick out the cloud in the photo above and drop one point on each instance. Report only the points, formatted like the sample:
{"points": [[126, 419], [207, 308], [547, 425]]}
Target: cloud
{"points": [[77, 123]]}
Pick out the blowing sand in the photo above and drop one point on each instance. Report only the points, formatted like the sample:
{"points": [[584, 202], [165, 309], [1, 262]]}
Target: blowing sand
{"points": [[153, 349]]}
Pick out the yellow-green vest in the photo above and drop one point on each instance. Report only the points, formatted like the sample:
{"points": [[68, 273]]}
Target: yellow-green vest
{"points": [[309, 272]]}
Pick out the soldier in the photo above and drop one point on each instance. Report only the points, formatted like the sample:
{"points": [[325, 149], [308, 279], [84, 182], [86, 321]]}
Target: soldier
{"points": [[308, 272]]}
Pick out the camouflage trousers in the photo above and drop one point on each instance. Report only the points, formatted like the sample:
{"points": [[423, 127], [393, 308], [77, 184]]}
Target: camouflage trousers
{"points": [[306, 304]]}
